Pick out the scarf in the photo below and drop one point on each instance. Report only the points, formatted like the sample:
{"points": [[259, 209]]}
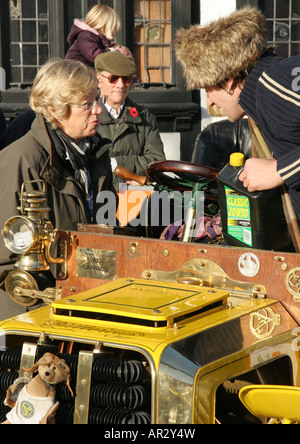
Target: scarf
{"points": [[80, 155]]}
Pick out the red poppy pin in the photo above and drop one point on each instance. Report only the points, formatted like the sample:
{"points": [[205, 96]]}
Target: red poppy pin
{"points": [[133, 111]]}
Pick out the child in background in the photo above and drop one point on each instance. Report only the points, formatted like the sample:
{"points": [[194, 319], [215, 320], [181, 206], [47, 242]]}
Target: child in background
{"points": [[94, 35]]}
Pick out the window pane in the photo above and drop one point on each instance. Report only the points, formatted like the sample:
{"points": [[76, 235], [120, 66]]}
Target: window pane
{"points": [[42, 9], [29, 74], [43, 54], [296, 8], [43, 32], [282, 8], [29, 32], [16, 75], [296, 31], [282, 50], [15, 54], [29, 55], [295, 49], [267, 7], [15, 31], [28, 9]]}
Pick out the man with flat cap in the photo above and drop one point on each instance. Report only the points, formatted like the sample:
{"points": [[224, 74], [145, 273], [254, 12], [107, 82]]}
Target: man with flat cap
{"points": [[131, 128]]}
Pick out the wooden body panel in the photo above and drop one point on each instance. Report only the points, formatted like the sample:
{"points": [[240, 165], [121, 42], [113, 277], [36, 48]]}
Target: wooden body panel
{"points": [[278, 272]]}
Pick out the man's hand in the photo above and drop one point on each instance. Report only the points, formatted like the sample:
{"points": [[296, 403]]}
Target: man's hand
{"points": [[260, 174]]}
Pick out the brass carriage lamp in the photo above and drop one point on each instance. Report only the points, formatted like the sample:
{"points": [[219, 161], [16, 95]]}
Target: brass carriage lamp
{"points": [[30, 236], [27, 239]]}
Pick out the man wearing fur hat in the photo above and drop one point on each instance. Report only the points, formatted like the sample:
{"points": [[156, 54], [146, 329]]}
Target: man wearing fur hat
{"points": [[241, 74]]}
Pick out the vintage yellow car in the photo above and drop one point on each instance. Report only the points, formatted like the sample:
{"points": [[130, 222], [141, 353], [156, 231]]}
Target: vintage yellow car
{"points": [[154, 331]]}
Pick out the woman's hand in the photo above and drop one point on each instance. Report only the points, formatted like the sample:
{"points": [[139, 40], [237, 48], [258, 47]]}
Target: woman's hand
{"points": [[260, 174]]}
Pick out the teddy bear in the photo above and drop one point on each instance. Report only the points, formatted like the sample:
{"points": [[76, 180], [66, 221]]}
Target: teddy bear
{"points": [[33, 400]]}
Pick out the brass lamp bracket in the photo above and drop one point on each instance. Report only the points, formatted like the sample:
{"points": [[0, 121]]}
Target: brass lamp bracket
{"points": [[23, 289], [206, 273], [47, 296]]}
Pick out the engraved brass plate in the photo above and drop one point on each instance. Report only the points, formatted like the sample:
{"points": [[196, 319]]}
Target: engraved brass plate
{"points": [[293, 283], [264, 322], [96, 264]]}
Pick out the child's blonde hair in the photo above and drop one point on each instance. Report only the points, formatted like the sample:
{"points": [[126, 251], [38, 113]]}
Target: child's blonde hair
{"points": [[104, 20]]}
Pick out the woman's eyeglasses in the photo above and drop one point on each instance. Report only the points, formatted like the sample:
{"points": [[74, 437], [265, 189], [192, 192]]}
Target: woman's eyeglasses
{"points": [[113, 79], [93, 103]]}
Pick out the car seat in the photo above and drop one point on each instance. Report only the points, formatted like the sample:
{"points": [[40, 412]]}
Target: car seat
{"points": [[219, 140]]}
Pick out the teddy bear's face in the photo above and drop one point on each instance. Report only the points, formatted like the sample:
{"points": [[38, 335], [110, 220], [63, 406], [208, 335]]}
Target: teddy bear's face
{"points": [[52, 373]]}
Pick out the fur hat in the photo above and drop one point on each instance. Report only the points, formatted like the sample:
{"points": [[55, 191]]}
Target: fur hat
{"points": [[222, 49]]}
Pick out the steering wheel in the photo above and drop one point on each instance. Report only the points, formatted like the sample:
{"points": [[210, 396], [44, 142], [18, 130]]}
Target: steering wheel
{"points": [[186, 174]]}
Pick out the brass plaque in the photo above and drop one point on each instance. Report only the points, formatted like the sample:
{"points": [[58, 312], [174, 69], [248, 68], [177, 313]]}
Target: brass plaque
{"points": [[96, 264], [263, 322]]}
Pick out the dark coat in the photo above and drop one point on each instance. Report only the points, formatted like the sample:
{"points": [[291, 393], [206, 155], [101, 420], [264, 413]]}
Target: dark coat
{"points": [[34, 157], [17, 128], [85, 43], [270, 96], [136, 141]]}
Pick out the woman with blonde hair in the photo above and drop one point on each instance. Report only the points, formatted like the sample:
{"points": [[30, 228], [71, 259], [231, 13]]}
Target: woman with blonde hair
{"points": [[95, 35], [63, 149]]}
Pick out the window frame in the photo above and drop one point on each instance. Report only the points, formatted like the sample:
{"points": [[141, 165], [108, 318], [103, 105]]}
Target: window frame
{"points": [[286, 44], [58, 10], [176, 109], [182, 12], [27, 46]]}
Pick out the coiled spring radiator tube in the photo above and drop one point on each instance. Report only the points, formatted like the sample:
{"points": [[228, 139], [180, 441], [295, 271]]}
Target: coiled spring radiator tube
{"points": [[119, 393]]}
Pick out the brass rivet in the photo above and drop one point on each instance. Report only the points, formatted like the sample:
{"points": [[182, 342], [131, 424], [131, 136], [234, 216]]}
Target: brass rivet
{"points": [[166, 253], [132, 250]]}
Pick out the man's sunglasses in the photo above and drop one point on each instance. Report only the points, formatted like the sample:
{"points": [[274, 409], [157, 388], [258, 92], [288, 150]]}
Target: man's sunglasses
{"points": [[114, 79]]}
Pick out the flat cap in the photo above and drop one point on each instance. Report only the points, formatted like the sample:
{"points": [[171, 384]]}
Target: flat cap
{"points": [[115, 63]]}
